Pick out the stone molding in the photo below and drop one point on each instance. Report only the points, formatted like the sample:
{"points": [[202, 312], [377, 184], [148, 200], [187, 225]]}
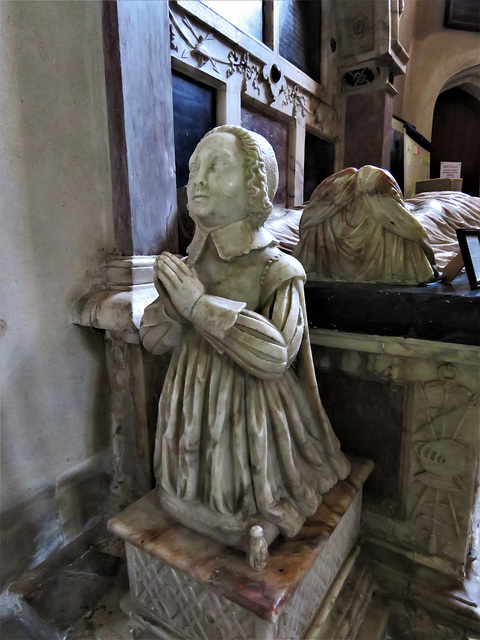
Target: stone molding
{"points": [[118, 304], [66, 512], [396, 346]]}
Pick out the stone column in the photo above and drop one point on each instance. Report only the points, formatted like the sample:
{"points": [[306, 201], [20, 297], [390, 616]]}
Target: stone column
{"points": [[370, 55], [139, 98], [368, 123], [140, 118]]}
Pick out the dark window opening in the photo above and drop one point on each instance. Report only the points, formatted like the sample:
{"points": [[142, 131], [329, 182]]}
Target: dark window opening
{"points": [[276, 132], [194, 114], [300, 34], [397, 158], [319, 163]]}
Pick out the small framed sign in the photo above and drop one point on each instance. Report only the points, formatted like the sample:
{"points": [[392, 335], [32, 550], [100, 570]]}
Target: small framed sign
{"points": [[462, 14], [450, 169], [469, 241]]}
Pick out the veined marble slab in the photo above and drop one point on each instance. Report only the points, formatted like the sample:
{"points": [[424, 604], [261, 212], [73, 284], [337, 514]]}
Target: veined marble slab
{"points": [[225, 570]]}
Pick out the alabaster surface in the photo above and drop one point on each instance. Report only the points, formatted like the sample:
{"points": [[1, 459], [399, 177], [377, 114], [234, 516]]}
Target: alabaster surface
{"points": [[242, 438], [441, 213], [427, 433], [197, 587], [356, 228], [283, 224]]}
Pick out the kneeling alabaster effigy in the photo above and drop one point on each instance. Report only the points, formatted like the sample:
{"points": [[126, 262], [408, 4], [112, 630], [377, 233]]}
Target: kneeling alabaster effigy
{"points": [[244, 450]]}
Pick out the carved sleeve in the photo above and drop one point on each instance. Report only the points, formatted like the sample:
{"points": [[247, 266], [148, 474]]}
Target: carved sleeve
{"points": [[161, 327], [263, 344]]}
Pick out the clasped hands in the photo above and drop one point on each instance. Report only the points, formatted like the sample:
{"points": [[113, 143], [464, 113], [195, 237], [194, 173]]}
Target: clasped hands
{"points": [[180, 281]]}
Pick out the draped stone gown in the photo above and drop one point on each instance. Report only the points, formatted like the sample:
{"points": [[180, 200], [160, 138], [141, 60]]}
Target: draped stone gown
{"points": [[241, 429]]}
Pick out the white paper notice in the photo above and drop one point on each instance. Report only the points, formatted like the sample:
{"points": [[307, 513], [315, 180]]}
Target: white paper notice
{"points": [[450, 169]]}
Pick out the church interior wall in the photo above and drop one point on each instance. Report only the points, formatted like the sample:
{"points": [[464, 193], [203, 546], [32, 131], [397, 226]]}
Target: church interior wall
{"points": [[57, 224], [436, 54]]}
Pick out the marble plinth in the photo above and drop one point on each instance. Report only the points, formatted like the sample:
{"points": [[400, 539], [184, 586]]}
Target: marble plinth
{"points": [[189, 586]]}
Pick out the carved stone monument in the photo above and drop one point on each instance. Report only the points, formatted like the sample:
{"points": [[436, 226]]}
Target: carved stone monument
{"points": [[185, 585], [244, 450], [242, 439]]}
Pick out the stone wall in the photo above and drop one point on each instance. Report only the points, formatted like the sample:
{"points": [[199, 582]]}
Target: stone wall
{"points": [[436, 54], [56, 227]]}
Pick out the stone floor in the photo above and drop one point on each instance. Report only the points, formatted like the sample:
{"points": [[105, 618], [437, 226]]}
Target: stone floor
{"points": [[80, 601], [70, 601]]}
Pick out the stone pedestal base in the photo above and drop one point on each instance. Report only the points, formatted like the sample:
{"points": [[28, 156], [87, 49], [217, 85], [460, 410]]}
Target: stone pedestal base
{"points": [[184, 585]]}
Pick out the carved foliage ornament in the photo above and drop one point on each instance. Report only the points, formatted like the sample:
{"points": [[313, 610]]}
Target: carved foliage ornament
{"points": [[256, 74]]}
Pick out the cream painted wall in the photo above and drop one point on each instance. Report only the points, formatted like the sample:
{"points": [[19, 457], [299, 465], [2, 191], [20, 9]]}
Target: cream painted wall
{"points": [[56, 224], [436, 54]]}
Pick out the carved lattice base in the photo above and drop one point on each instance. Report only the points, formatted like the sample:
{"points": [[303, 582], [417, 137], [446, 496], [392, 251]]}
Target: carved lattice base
{"points": [[186, 586], [174, 602]]}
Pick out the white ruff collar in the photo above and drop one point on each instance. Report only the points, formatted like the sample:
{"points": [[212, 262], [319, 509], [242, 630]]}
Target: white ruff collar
{"points": [[231, 241]]}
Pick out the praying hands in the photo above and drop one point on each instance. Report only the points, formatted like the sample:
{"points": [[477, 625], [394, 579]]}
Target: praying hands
{"points": [[180, 281]]}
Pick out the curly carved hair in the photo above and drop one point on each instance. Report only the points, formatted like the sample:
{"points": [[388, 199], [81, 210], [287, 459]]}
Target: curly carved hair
{"points": [[261, 170]]}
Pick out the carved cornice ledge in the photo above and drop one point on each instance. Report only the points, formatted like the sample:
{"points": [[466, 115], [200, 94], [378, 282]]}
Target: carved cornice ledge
{"points": [[397, 346], [119, 302]]}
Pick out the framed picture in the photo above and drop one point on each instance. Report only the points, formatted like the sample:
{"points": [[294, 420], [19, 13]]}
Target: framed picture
{"points": [[462, 14], [469, 241]]}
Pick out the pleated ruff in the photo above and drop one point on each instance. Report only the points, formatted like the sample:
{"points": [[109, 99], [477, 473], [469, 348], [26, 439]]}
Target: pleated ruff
{"points": [[238, 444]]}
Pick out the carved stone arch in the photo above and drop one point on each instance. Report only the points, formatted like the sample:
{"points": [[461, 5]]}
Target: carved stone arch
{"points": [[456, 124], [467, 79], [437, 58]]}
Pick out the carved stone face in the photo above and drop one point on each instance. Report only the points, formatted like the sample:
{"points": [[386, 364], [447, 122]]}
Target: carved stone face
{"points": [[216, 189]]}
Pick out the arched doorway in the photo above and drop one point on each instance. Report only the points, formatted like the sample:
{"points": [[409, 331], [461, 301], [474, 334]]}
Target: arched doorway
{"points": [[455, 136]]}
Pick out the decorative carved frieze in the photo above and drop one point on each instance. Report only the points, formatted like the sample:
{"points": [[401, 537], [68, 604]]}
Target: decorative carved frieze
{"points": [[275, 83]]}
